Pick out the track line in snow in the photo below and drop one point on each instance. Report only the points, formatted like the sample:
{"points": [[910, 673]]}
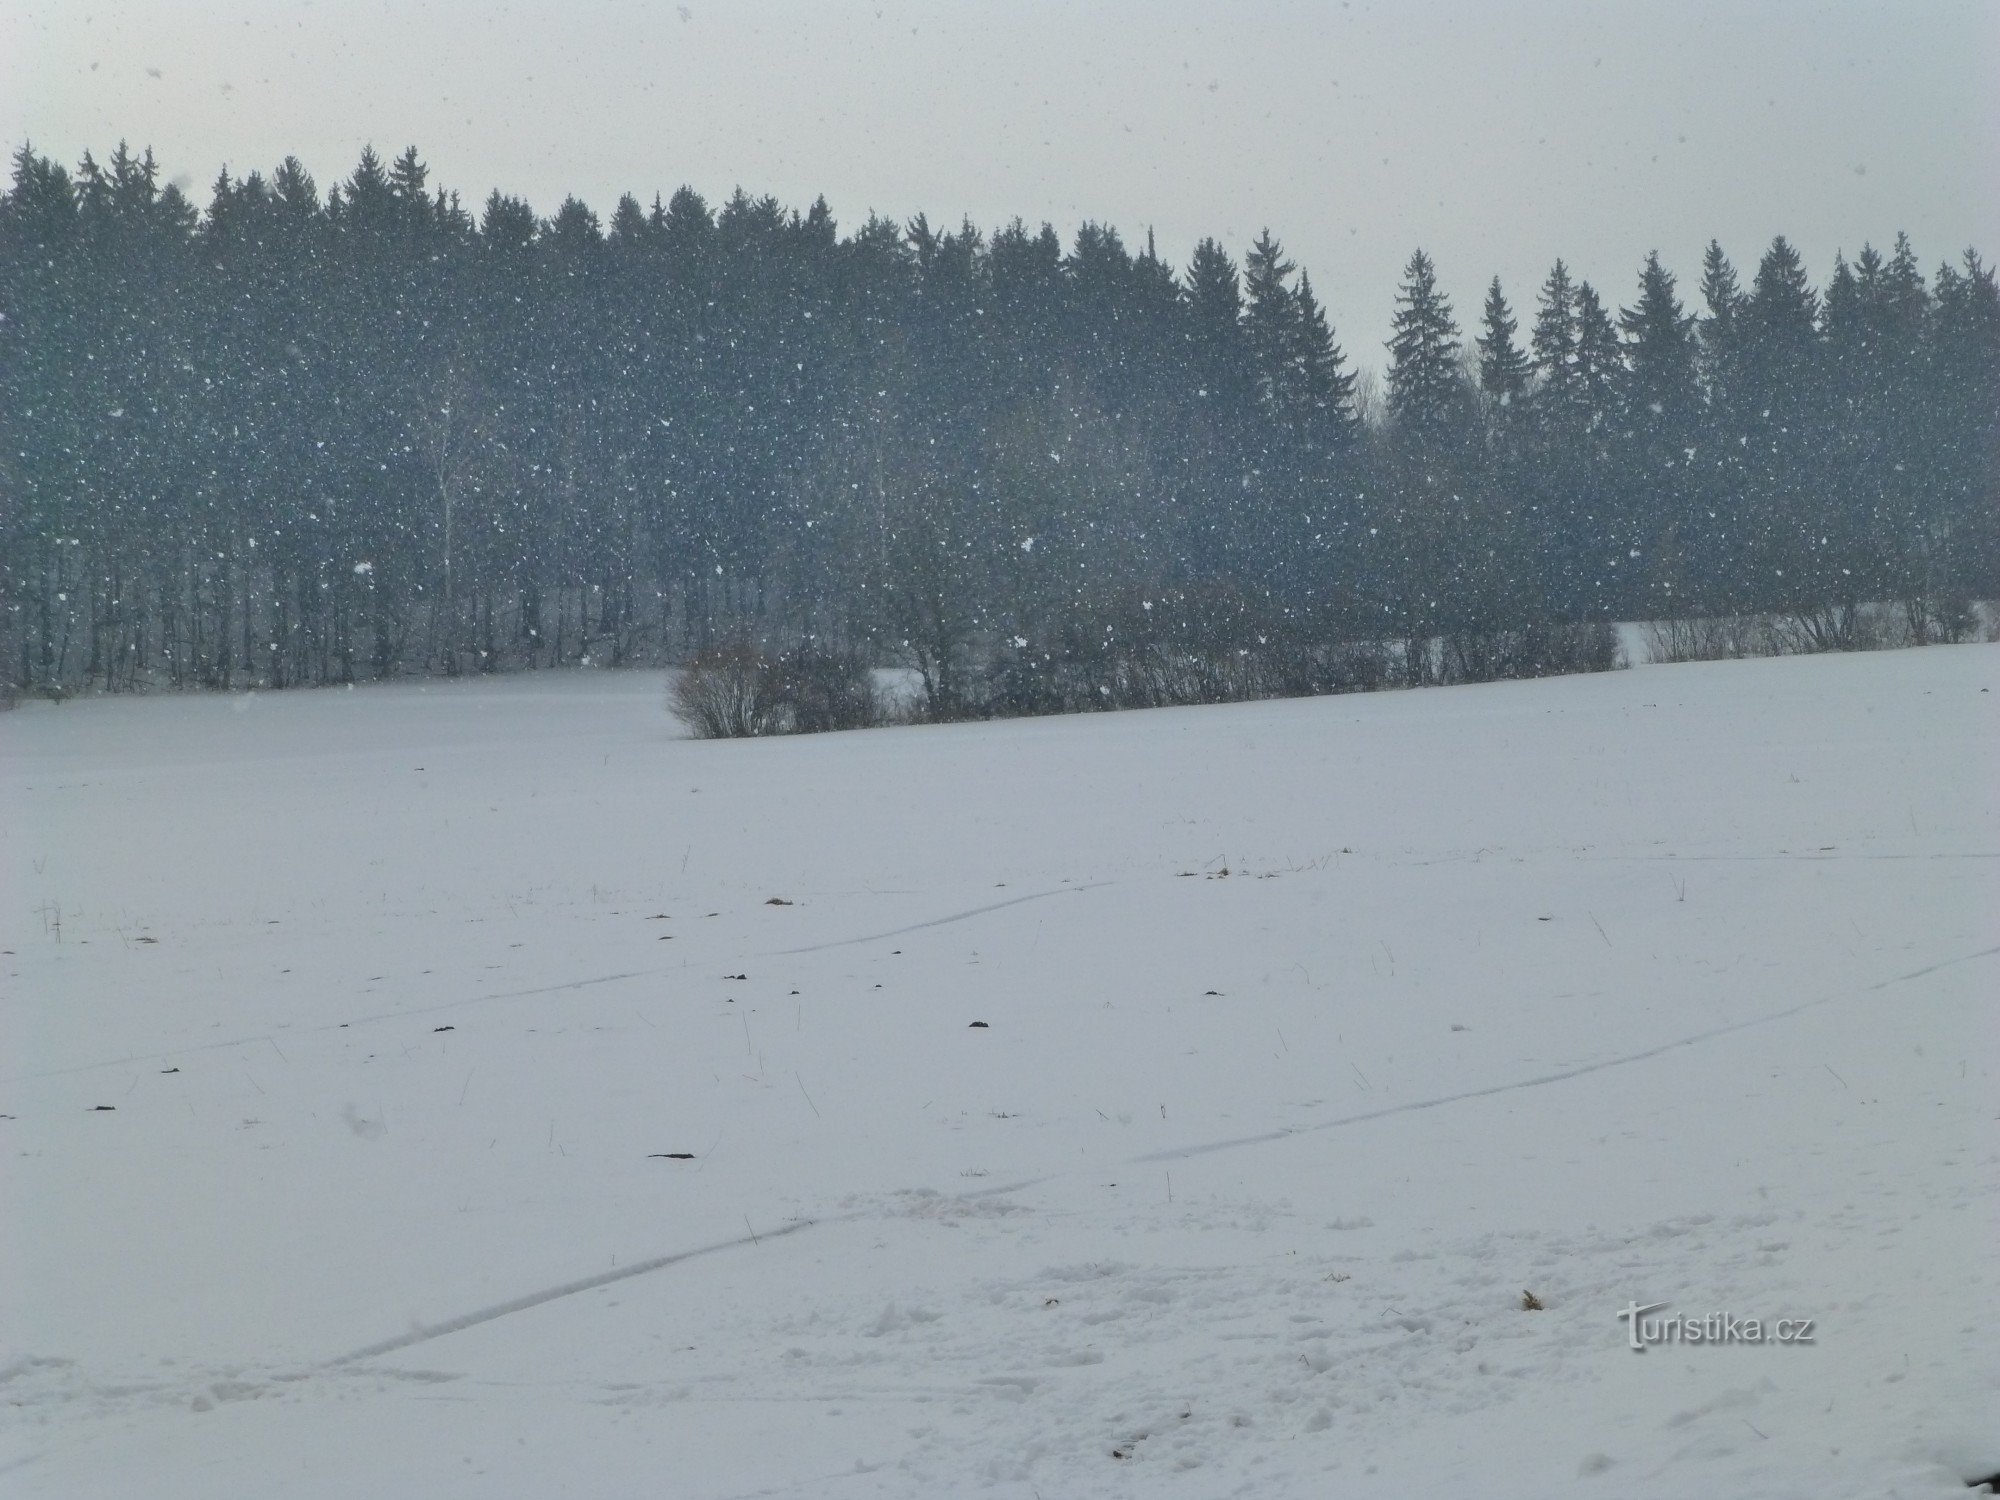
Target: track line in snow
{"points": [[1786, 857], [523, 995], [1179, 1153], [430, 1331], [427, 1332], [1182, 1153], [1946, 963], [547, 989], [1801, 857], [962, 916], [387, 1015]]}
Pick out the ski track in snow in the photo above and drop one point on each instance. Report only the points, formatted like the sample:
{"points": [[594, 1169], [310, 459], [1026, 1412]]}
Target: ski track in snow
{"points": [[448, 1326], [234, 1383], [428, 1332], [1182, 1153], [297, 1031], [962, 916], [590, 1283], [545, 989], [444, 1328], [1281, 1357], [268, 1037]]}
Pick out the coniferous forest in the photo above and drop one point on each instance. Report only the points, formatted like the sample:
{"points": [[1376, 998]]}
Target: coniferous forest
{"points": [[307, 436]]}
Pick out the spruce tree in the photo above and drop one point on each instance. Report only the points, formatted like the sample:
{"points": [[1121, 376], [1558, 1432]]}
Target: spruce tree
{"points": [[1426, 393], [1270, 321], [1428, 431], [1554, 345], [1599, 362], [407, 176], [1961, 550], [1722, 303], [1660, 347], [1222, 363], [507, 223], [368, 202], [1662, 400], [1503, 367], [630, 228], [1325, 405]]}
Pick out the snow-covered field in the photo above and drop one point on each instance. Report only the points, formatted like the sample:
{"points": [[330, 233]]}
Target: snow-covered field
{"points": [[352, 1041]]}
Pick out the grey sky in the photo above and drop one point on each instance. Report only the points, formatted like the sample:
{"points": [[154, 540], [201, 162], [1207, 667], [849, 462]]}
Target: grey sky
{"points": [[1497, 136]]}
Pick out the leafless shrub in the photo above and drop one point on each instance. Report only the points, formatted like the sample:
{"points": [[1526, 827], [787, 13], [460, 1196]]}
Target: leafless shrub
{"points": [[1553, 648], [725, 692], [1934, 620], [814, 688], [1469, 656], [1183, 647], [1357, 667], [1707, 638], [1546, 648], [737, 690], [1825, 627]]}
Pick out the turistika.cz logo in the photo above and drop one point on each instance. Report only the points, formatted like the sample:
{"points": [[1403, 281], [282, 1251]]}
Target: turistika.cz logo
{"points": [[1643, 1332]]}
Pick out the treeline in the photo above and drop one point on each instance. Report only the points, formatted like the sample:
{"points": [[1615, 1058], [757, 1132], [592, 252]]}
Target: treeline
{"points": [[306, 436]]}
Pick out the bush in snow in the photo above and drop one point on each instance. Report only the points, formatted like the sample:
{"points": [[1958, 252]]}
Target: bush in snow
{"points": [[815, 688], [1706, 638], [1934, 620], [1545, 648], [736, 690], [725, 692], [1826, 627]]}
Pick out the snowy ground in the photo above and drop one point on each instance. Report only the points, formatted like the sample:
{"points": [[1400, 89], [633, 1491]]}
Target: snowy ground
{"points": [[1316, 1033]]}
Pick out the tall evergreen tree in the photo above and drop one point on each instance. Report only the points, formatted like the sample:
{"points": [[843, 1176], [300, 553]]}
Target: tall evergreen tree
{"points": [[1663, 404], [1722, 303], [1503, 367], [1325, 399], [1426, 392], [1600, 361], [1956, 556], [1660, 348], [1222, 361], [1271, 320], [1554, 344]]}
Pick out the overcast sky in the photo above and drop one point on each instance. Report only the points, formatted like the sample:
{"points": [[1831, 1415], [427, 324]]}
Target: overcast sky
{"points": [[1497, 136]]}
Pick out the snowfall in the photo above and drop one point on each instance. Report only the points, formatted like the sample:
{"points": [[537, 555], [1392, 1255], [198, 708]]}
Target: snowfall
{"points": [[480, 1089]]}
